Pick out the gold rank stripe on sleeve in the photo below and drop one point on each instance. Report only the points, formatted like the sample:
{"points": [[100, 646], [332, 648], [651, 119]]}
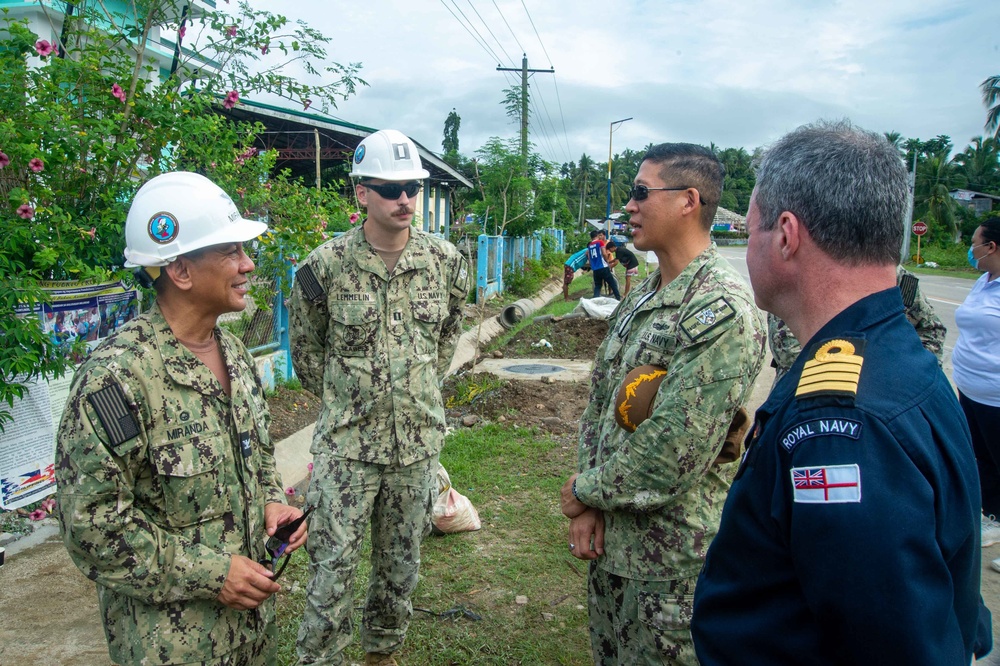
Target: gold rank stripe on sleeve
{"points": [[834, 370]]}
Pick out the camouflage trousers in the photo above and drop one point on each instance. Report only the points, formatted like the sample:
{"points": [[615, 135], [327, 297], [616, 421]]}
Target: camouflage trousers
{"points": [[640, 622], [347, 494]]}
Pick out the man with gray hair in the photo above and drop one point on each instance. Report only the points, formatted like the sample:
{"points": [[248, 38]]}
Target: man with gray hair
{"points": [[851, 532]]}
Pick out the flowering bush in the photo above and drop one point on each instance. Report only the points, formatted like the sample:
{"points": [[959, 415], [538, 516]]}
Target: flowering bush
{"points": [[92, 126]]}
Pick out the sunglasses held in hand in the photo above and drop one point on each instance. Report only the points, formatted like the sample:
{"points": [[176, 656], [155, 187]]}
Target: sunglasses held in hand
{"points": [[278, 544]]}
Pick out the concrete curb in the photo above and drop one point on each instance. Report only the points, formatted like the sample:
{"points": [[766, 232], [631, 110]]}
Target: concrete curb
{"points": [[292, 455]]}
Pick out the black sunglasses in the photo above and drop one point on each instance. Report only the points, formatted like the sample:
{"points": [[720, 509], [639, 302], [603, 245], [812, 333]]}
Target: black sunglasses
{"points": [[278, 544], [641, 192], [391, 191]]}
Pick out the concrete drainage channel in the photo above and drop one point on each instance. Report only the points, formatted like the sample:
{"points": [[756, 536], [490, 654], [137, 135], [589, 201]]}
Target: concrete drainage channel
{"points": [[541, 369]]}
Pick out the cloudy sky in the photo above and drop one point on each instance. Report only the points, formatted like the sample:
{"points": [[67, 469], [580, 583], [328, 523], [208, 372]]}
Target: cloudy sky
{"points": [[732, 72]]}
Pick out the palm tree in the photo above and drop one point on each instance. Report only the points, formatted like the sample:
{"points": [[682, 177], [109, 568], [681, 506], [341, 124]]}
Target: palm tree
{"points": [[584, 170], [991, 100], [935, 178], [978, 164]]}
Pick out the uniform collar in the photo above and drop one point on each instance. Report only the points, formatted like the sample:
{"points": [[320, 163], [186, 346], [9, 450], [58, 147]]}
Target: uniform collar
{"points": [[415, 255], [673, 294], [181, 364]]}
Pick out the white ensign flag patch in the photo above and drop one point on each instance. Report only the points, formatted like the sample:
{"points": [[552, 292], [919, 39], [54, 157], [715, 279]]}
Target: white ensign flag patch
{"points": [[832, 484]]}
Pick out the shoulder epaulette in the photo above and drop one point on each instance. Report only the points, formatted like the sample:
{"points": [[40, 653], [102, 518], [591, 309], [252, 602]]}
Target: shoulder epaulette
{"points": [[834, 369], [311, 288], [116, 417], [708, 318]]}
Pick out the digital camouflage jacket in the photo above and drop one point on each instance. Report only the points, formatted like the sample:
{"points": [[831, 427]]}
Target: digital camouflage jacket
{"points": [[375, 346], [161, 477], [659, 487]]}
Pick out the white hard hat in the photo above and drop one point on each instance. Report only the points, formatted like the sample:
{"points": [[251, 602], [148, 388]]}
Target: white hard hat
{"points": [[176, 213], [389, 155]]}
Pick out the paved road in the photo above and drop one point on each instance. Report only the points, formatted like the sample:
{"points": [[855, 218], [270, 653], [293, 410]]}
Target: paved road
{"points": [[944, 293]]}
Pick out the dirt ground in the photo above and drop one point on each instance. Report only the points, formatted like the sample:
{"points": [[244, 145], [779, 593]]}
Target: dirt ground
{"points": [[48, 611]]}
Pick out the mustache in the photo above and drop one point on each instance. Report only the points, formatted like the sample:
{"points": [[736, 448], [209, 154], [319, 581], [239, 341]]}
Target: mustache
{"points": [[403, 210]]}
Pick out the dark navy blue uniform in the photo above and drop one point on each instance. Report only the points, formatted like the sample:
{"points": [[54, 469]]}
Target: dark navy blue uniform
{"points": [[851, 533]]}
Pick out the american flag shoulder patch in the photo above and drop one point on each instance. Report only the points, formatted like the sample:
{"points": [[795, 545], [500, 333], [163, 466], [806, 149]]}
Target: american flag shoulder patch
{"points": [[114, 413], [830, 484], [311, 288]]}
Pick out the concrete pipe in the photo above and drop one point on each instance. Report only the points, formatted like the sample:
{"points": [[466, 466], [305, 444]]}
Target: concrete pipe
{"points": [[515, 312]]}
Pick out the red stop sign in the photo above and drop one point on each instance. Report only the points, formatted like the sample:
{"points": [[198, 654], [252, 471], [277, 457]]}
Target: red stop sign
{"points": [[919, 228]]}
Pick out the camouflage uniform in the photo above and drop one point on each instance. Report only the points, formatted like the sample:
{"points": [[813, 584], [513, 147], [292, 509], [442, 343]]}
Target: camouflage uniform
{"points": [[375, 347], [659, 489], [785, 348], [161, 478]]}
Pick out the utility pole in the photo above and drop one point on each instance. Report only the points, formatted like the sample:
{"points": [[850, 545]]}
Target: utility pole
{"points": [[524, 99], [611, 131], [908, 222]]}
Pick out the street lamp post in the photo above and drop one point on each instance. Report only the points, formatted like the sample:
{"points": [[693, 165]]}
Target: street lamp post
{"points": [[607, 215]]}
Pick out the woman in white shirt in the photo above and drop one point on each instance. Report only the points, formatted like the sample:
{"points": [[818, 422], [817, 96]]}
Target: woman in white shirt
{"points": [[976, 371]]}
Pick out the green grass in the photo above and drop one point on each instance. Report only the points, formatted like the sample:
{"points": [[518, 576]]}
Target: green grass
{"points": [[513, 476], [557, 307]]}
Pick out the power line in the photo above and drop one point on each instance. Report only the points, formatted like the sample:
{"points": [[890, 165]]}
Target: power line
{"points": [[508, 26], [562, 118], [487, 26], [536, 32], [476, 38]]}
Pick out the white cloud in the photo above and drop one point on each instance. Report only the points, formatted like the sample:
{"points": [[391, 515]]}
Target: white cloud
{"points": [[723, 71]]}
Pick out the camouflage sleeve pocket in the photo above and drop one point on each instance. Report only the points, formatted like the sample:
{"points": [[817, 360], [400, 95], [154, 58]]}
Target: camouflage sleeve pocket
{"points": [[192, 481]]}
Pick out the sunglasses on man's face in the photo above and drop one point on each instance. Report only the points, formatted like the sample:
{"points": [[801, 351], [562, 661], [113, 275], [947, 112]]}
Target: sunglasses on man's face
{"points": [[641, 192], [391, 191], [278, 544]]}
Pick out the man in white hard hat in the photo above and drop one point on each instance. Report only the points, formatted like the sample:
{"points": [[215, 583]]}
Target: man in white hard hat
{"points": [[375, 316], [166, 477]]}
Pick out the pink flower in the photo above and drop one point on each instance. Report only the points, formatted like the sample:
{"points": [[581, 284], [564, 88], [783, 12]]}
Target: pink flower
{"points": [[290, 491], [355, 217], [310, 467], [43, 47], [26, 211], [231, 31], [117, 92], [263, 49], [92, 233], [49, 504], [306, 104], [181, 32], [231, 99], [36, 165], [242, 191], [4, 160], [38, 514], [267, 185]]}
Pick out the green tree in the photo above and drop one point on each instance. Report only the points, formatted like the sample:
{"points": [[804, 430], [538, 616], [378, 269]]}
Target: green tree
{"points": [[991, 100], [92, 128], [978, 167], [450, 142]]}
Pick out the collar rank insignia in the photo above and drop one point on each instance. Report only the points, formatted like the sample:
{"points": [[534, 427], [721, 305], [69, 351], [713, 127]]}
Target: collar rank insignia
{"points": [[708, 318], [833, 370]]}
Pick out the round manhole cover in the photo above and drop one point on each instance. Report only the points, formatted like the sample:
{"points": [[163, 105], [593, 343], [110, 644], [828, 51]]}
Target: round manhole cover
{"points": [[534, 369]]}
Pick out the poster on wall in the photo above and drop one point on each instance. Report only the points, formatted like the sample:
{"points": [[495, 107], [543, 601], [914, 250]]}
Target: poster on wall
{"points": [[78, 312]]}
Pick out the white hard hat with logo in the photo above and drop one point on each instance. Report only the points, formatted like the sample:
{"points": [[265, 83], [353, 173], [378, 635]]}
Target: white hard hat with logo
{"points": [[389, 155], [180, 212]]}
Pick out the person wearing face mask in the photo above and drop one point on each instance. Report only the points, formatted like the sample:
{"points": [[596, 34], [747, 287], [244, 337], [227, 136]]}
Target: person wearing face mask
{"points": [[976, 367]]}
